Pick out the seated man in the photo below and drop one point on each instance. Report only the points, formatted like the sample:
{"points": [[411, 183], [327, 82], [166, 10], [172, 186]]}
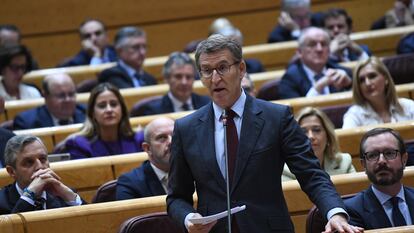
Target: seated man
{"points": [[387, 203], [131, 48], [60, 105], [150, 179], [294, 17], [36, 186], [179, 72], [95, 47], [339, 26], [313, 74]]}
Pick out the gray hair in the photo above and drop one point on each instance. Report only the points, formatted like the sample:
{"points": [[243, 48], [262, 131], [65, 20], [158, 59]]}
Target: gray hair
{"points": [[127, 32], [305, 34], [216, 43], [288, 5], [15, 145], [178, 59]]}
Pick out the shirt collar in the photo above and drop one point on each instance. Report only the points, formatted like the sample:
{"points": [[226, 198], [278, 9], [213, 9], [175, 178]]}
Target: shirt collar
{"points": [[310, 73], [238, 107], [130, 71], [160, 173], [383, 198], [177, 104]]}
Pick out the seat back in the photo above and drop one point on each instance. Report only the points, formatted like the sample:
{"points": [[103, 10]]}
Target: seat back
{"points": [[269, 90], [150, 223], [401, 67], [315, 222], [139, 107], [336, 114], [105, 193], [86, 85]]}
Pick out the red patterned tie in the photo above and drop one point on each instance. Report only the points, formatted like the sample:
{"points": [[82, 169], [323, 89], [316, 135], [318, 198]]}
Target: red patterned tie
{"points": [[232, 142]]}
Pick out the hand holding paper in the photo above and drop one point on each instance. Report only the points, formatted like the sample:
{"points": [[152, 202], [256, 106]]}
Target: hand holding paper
{"points": [[211, 218]]}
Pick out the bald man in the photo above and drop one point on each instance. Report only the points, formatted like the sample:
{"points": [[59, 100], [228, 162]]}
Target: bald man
{"points": [[60, 105], [150, 179]]}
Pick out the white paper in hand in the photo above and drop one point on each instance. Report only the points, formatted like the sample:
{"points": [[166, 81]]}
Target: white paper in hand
{"points": [[208, 219]]}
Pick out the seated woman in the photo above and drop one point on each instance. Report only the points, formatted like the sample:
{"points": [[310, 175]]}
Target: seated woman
{"points": [[106, 130], [15, 60], [375, 97], [321, 133]]}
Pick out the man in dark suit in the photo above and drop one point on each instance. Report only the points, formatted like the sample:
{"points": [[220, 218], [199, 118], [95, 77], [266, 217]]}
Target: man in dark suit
{"points": [[131, 47], [387, 203], [36, 186], [95, 47], [339, 26], [261, 137], [294, 18], [60, 105], [179, 73], [313, 74], [150, 179]]}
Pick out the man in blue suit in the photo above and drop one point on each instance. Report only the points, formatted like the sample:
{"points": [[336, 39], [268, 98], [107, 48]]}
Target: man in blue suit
{"points": [[313, 74], [387, 203], [60, 105], [179, 72], [131, 47], [261, 137], [95, 47], [150, 179]]}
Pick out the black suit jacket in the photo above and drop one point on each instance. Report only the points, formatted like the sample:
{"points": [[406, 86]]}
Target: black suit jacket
{"points": [[295, 82], [10, 201], [140, 182], [120, 78], [366, 211], [40, 117], [5, 135], [84, 58], [269, 138], [164, 105]]}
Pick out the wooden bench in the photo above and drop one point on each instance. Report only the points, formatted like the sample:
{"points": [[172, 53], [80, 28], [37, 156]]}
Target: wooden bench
{"points": [[273, 56], [87, 175], [106, 217], [11, 223]]}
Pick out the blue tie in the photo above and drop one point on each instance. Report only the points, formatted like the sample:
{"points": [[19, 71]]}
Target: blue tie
{"points": [[397, 216]]}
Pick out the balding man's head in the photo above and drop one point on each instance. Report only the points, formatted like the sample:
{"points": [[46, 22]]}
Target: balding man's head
{"points": [[157, 136], [313, 48], [60, 95]]}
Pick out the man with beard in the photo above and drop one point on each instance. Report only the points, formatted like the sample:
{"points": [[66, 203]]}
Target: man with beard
{"points": [[387, 203], [150, 179]]}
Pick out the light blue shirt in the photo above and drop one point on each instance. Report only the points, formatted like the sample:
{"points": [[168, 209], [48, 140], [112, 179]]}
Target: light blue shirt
{"points": [[131, 72], [387, 205], [238, 108], [311, 77], [101, 60]]}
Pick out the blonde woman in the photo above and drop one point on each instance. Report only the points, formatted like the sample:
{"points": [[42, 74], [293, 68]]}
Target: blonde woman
{"points": [[321, 134], [375, 97]]}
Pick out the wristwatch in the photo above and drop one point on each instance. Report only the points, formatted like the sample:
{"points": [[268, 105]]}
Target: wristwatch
{"points": [[29, 193]]}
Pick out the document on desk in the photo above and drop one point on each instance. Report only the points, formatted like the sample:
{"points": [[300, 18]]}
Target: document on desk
{"points": [[208, 219]]}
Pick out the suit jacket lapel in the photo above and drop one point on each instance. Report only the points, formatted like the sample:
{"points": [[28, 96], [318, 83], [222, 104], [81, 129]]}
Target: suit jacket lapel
{"points": [[409, 198], [154, 184], [206, 143], [377, 216], [251, 127], [166, 104]]}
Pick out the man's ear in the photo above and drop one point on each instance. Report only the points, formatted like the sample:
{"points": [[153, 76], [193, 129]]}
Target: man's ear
{"points": [[146, 147], [11, 171], [404, 158], [242, 68]]}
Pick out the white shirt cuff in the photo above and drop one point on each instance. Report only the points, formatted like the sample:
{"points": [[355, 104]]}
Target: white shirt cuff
{"points": [[336, 210], [27, 199], [96, 61], [313, 92], [76, 202], [186, 222]]}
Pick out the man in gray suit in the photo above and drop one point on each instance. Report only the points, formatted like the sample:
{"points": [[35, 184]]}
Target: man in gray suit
{"points": [[261, 137]]}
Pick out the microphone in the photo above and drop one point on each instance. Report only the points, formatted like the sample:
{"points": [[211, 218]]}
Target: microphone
{"points": [[226, 170]]}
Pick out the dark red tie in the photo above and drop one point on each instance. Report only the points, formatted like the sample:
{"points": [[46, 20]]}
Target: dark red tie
{"points": [[232, 142]]}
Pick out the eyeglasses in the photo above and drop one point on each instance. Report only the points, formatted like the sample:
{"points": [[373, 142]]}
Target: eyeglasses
{"points": [[63, 96], [221, 70], [16, 68], [389, 154], [138, 47], [89, 35]]}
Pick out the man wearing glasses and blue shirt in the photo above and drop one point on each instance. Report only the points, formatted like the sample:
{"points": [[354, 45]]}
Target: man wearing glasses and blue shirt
{"points": [[60, 105], [387, 203], [261, 137]]}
